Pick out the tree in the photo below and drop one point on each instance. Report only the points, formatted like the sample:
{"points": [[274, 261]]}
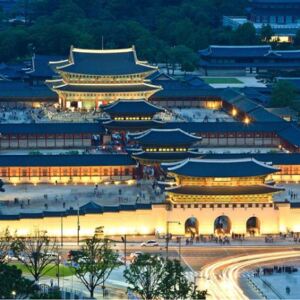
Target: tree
{"points": [[94, 263], [5, 240], [13, 284], [37, 253], [283, 94], [145, 275], [266, 33], [153, 277], [297, 39], [246, 35]]}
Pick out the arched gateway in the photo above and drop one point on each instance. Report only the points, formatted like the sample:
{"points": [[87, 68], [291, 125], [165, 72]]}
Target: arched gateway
{"points": [[222, 225], [191, 226], [253, 226]]}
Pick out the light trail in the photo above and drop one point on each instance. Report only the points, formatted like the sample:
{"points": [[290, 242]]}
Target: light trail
{"points": [[221, 277]]}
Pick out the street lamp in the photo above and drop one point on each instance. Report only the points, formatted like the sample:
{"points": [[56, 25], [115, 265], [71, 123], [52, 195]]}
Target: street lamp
{"points": [[61, 230], [124, 240], [167, 236], [78, 226], [13, 293]]}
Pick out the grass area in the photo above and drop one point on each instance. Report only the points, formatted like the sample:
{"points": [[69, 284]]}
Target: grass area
{"points": [[51, 272], [221, 80]]}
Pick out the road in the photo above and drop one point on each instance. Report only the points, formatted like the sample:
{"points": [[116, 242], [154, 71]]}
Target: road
{"points": [[221, 278]]}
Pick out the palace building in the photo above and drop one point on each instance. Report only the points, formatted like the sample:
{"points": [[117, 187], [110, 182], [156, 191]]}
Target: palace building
{"points": [[206, 197], [66, 169], [91, 78], [131, 115], [241, 60], [158, 145]]}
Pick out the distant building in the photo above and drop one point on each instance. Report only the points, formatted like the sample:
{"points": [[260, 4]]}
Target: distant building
{"points": [[189, 92], [282, 15], [90, 78], [241, 60]]}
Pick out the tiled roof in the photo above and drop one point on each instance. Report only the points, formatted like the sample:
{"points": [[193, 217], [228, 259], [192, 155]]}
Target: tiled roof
{"points": [[221, 168], [164, 156], [105, 62], [132, 107], [223, 190], [275, 158], [18, 89], [102, 88], [40, 66], [165, 137], [238, 51], [66, 160], [51, 128]]}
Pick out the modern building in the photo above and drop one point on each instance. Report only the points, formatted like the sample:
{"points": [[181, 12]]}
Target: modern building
{"points": [[282, 15], [91, 78], [239, 60]]}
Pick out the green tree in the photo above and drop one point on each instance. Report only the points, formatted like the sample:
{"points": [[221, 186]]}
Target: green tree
{"points": [[283, 94], [266, 33], [5, 240], [13, 284], [37, 253], [153, 277], [145, 276], [246, 35], [95, 263], [297, 40]]}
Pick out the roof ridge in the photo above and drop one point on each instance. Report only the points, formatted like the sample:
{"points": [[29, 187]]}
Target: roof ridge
{"points": [[84, 50]]}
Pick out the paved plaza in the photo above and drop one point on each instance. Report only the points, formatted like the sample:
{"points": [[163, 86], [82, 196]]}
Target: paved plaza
{"points": [[31, 198], [201, 115]]}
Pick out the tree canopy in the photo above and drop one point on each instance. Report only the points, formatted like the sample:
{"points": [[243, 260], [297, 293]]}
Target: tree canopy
{"points": [[283, 94], [162, 30], [153, 277]]}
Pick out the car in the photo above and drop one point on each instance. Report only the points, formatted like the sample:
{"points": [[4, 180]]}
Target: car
{"points": [[150, 243]]}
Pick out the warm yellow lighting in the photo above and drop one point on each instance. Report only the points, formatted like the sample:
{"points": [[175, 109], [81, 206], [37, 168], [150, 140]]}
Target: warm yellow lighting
{"points": [[117, 182], [246, 120], [234, 112]]}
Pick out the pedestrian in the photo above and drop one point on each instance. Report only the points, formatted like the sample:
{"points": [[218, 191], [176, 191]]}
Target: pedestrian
{"points": [[64, 204]]}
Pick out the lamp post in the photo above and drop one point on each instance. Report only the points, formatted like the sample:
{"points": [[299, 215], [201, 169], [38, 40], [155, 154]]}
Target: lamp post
{"points": [[61, 231], [179, 248], [124, 239], [78, 226], [167, 236]]}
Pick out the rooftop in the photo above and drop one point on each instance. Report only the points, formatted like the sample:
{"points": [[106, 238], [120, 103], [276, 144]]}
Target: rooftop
{"points": [[228, 190], [246, 167], [104, 62], [106, 88], [66, 160], [132, 107], [164, 137]]}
